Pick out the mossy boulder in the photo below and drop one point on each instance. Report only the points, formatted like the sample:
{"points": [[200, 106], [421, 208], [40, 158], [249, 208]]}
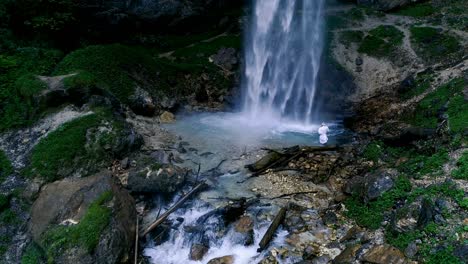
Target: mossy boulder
{"points": [[88, 220]]}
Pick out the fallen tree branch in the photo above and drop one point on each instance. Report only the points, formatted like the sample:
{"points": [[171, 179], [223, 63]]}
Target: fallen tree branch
{"points": [[272, 229], [173, 208], [288, 194]]}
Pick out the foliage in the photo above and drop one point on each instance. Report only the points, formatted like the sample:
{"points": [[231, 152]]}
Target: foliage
{"points": [[419, 164], [370, 215], [61, 148], [85, 234], [432, 44], [401, 240], [4, 202], [427, 111], [32, 255], [356, 14], [381, 41], [458, 113], [373, 151], [443, 256], [417, 10], [351, 36], [8, 216], [462, 167], [18, 84], [5, 166], [421, 84]]}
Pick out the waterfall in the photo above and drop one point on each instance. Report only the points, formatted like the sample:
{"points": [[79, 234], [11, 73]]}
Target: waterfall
{"points": [[283, 49]]}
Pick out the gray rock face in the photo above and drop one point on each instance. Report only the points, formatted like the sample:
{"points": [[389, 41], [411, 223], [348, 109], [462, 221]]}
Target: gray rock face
{"points": [[156, 179], [226, 58], [386, 5], [68, 200], [372, 185]]}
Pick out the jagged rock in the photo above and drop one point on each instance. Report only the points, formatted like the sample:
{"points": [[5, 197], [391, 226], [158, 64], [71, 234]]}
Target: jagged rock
{"points": [[68, 200], [156, 179], [372, 185], [406, 85], [384, 254], [427, 212], [198, 251], [167, 117], [461, 251], [330, 218], [348, 255], [405, 218], [269, 260], [225, 58], [244, 228], [222, 260], [142, 103]]}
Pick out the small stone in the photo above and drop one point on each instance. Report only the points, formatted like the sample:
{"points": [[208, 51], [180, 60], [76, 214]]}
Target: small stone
{"points": [[222, 260], [167, 117], [198, 251], [384, 254], [330, 218], [348, 255], [359, 61], [411, 250]]}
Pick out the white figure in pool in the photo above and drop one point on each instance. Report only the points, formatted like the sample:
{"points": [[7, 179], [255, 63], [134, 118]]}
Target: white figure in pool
{"points": [[323, 130]]}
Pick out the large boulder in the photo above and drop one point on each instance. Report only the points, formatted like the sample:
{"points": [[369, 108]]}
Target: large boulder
{"points": [[156, 178], [66, 210], [372, 185], [386, 5]]}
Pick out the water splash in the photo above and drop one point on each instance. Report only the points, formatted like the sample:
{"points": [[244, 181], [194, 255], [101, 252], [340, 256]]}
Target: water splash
{"points": [[282, 58]]}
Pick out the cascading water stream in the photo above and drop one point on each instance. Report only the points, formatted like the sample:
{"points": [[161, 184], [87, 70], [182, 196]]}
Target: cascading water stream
{"points": [[282, 58]]}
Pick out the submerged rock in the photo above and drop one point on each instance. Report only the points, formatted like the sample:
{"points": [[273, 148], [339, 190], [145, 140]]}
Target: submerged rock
{"points": [[198, 251], [167, 117], [222, 260]]}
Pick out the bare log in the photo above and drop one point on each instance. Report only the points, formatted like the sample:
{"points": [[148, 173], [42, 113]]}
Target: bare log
{"points": [[272, 229], [173, 208]]}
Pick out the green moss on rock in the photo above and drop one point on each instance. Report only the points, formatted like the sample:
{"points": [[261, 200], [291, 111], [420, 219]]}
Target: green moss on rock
{"points": [[381, 41], [417, 10], [433, 44], [85, 234], [461, 172], [5, 166]]}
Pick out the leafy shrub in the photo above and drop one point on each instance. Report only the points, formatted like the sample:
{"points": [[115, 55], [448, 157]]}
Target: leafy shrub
{"points": [[351, 36], [5, 166], [373, 151]]}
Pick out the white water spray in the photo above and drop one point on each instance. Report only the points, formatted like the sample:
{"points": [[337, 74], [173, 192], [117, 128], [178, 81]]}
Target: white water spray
{"points": [[282, 58]]}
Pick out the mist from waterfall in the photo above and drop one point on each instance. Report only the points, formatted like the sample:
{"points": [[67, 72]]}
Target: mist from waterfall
{"points": [[283, 49]]}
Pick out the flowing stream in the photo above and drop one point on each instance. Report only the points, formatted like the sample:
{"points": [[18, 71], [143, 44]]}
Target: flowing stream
{"points": [[209, 139]]}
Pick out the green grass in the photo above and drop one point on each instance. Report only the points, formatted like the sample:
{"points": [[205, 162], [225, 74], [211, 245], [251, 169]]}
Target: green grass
{"points": [[381, 41], [355, 14], [4, 202], [61, 148], [426, 112], [419, 164], [417, 10], [18, 84], [432, 44], [85, 234], [32, 255], [5, 166], [461, 172], [458, 114], [370, 215], [421, 84], [443, 256], [351, 36], [8, 216], [373, 151], [111, 67]]}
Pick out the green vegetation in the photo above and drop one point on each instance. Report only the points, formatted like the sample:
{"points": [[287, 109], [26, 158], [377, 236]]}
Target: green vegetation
{"points": [[432, 44], [443, 256], [351, 36], [8, 216], [417, 10], [421, 84], [381, 41], [458, 113], [18, 84], [356, 14], [462, 167], [370, 215], [85, 234], [4, 202], [5, 166], [427, 111], [61, 148], [32, 255], [373, 151], [420, 164], [112, 66]]}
